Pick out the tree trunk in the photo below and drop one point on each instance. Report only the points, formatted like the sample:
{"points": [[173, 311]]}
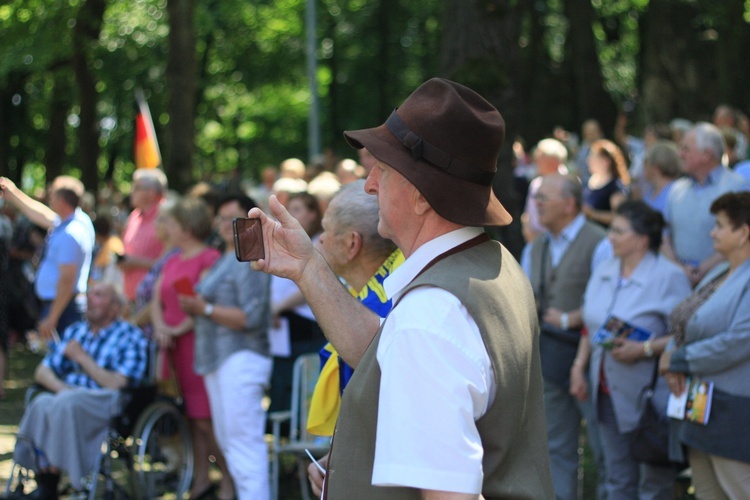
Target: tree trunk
{"points": [[384, 76], [590, 99], [12, 117], [58, 121], [181, 78], [676, 63], [86, 32], [480, 50], [732, 42]]}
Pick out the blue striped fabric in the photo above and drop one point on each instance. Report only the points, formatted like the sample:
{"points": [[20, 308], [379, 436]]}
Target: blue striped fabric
{"points": [[120, 347]]}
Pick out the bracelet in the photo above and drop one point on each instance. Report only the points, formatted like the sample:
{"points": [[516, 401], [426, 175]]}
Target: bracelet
{"points": [[648, 350], [208, 310], [564, 321], [579, 362]]}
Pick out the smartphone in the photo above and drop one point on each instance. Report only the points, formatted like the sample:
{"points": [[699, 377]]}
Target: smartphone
{"points": [[184, 286], [248, 239]]}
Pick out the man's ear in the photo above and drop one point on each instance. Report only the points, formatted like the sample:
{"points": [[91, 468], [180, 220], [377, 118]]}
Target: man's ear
{"points": [[571, 208], [421, 206], [353, 245]]}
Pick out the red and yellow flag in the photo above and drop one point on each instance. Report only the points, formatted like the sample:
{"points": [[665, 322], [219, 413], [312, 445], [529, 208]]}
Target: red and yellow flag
{"points": [[146, 150]]}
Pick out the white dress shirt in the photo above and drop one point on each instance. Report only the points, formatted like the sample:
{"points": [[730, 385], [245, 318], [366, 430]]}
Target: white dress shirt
{"points": [[436, 382]]}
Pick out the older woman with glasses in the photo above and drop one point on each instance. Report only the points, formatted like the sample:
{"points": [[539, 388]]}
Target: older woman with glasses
{"points": [[712, 343], [638, 287]]}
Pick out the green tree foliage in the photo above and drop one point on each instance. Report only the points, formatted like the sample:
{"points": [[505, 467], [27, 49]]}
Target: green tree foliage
{"points": [[252, 97]]}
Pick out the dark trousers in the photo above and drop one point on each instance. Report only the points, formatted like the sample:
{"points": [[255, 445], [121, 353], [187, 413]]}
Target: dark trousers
{"points": [[72, 313]]}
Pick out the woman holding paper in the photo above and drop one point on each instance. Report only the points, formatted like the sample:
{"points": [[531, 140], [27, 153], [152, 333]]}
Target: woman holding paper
{"points": [[712, 344], [636, 288]]}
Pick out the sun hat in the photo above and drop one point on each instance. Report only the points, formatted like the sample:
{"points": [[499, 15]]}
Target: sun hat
{"points": [[445, 139]]}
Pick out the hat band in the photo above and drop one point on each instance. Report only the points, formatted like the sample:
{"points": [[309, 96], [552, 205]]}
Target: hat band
{"points": [[421, 149]]}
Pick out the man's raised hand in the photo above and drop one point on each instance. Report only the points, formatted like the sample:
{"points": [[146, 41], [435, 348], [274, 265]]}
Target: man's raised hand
{"points": [[287, 246]]}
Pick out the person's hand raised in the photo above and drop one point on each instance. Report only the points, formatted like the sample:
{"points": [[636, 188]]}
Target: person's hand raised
{"points": [[287, 246]]}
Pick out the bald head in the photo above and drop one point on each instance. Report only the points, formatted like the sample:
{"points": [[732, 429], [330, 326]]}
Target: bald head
{"points": [[104, 305]]}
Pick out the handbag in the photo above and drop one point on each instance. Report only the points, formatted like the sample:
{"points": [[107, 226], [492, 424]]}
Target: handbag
{"points": [[169, 386], [557, 350], [649, 442]]}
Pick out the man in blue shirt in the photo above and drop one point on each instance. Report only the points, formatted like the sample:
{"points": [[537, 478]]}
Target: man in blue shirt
{"points": [[687, 211], [64, 269], [63, 429]]}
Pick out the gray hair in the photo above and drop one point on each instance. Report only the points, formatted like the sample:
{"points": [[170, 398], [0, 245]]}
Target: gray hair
{"points": [[708, 137], [665, 157], [352, 209], [571, 187], [152, 178]]}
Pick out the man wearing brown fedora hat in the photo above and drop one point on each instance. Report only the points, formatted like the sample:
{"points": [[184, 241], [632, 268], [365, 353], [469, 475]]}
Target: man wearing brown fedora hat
{"points": [[446, 397]]}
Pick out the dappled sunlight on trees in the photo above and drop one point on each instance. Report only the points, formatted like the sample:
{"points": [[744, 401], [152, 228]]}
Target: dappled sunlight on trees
{"points": [[69, 70]]}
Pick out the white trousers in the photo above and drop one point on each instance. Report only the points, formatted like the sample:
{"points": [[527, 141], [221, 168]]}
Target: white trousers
{"points": [[235, 392]]}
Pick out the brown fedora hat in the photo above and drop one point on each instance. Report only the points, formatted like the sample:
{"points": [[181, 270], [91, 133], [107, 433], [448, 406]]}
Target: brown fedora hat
{"points": [[445, 139]]}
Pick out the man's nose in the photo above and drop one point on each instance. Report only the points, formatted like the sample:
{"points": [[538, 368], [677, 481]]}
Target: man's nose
{"points": [[371, 183]]}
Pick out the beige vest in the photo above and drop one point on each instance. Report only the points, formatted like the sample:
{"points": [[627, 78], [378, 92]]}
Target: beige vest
{"points": [[496, 293], [562, 287], [565, 285]]}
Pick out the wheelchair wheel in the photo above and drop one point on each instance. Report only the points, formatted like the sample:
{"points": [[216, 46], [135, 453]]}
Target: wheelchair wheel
{"points": [[162, 452]]}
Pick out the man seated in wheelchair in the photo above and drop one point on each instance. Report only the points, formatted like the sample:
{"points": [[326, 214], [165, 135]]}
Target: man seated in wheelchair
{"points": [[63, 427]]}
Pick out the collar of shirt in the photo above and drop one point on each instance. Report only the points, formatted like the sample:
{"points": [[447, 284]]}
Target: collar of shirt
{"points": [[559, 245], [641, 275], [103, 333], [150, 213], [407, 271], [712, 177], [60, 223], [569, 232]]}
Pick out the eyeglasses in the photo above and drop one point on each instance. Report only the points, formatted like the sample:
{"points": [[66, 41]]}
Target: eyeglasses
{"points": [[619, 231], [543, 198]]}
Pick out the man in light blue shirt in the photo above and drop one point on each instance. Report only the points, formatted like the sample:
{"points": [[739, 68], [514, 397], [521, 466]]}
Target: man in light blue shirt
{"points": [[63, 272], [687, 211]]}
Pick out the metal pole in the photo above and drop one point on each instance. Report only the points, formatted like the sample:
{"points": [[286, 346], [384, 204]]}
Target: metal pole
{"points": [[313, 125]]}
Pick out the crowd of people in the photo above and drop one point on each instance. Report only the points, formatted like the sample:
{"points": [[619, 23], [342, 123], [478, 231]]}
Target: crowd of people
{"points": [[218, 330], [460, 391], [646, 244]]}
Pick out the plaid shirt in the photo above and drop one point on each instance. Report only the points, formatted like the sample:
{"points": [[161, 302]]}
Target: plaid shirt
{"points": [[120, 347]]}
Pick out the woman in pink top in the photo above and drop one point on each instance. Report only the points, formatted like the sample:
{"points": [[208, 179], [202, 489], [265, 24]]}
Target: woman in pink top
{"points": [[188, 225]]}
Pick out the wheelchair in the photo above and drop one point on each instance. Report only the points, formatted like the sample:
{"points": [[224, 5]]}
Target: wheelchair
{"points": [[147, 452]]}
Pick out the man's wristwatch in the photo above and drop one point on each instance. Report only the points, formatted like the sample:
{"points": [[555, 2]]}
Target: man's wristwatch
{"points": [[648, 350], [208, 310]]}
